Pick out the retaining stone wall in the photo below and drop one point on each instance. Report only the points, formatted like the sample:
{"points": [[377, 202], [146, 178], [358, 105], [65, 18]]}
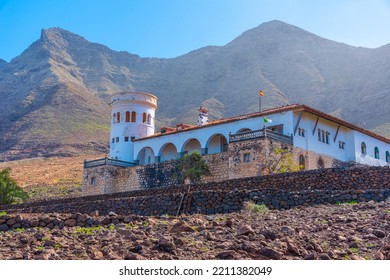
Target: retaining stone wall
{"points": [[280, 191]]}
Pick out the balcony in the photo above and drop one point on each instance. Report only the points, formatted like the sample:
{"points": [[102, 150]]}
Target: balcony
{"points": [[107, 161], [262, 133]]}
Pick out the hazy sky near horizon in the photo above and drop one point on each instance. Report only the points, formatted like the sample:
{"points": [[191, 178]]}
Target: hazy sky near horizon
{"points": [[169, 28]]}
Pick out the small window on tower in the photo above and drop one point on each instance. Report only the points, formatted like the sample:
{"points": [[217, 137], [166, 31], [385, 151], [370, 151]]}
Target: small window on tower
{"points": [[133, 116], [132, 138], [113, 140], [117, 139], [93, 181], [149, 119], [144, 118], [127, 116], [126, 138]]}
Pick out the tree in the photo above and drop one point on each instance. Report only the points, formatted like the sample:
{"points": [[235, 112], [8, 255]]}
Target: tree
{"points": [[281, 161], [10, 192], [192, 167]]}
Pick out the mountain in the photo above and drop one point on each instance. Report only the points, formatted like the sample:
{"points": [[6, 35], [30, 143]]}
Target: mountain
{"points": [[2, 63], [54, 95]]}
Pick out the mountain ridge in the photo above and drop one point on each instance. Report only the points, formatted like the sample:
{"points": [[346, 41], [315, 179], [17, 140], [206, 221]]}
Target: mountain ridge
{"points": [[56, 92]]}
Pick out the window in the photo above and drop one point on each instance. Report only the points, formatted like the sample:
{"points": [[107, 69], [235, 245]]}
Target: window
{"points": [[144, 118], [117, 139], [376, 153], [127, 116], [133, 116], [301, 162], [93, 181], [327, 137], [301, 132], [320, 163], [387, 156], [246, 157], [341, 145], [113, 140], [323, 136], [364, 148], [132, 138], [126, 138], [149, 119], [118, 117]]}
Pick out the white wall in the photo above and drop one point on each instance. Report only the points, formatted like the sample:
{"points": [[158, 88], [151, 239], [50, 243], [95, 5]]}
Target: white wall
{"points": [[310, 141], [371, 143], [205, 133]]}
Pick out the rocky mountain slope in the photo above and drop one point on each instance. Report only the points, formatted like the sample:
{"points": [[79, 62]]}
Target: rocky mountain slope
{"points": [[340, 232], [54, 95]]}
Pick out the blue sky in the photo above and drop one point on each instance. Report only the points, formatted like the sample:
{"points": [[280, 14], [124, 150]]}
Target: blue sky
{"points": [[169, 28]]}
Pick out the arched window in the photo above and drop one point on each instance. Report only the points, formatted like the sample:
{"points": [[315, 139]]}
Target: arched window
{"points": [[133, 117], [127, 116], [327, 137], [323, 136], [301, 162], [149, 119], [118, 117], [114, 118], [364, 148], [320, 163], [387, 157], [144, 118], [319, 135], [376, 153]]}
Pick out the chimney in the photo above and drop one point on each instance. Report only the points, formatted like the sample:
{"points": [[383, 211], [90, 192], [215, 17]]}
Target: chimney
{"points": [[203, 116]]}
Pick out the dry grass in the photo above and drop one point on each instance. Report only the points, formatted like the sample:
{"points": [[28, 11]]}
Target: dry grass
{"points": [[49, 177]]}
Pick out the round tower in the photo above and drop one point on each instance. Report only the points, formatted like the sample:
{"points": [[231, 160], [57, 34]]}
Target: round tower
{"points": [[132, 117]]}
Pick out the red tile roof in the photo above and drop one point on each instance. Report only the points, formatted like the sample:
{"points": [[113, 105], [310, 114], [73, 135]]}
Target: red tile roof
{"points": [[292, 107]]}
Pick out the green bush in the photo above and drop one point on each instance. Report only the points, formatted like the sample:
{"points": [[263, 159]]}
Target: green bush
{"points": [[10, 192], [256, 208], [192, 166]]}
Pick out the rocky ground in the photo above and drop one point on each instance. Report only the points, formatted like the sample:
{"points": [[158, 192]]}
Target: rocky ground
{"points": [[346, 231]]}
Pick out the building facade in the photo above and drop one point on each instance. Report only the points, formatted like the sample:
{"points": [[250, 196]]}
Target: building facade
{"points": [[242, 144]]}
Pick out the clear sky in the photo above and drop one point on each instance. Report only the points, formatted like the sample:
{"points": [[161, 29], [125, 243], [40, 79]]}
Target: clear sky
{"points": [[169, 28]]}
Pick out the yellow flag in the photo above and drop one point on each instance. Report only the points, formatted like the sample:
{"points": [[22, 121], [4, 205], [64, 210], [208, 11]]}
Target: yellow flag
{"points": [[261, 93]]}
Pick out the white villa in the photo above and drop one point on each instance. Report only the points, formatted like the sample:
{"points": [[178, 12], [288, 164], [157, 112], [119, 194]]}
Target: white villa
{"points": [[134, 139]]}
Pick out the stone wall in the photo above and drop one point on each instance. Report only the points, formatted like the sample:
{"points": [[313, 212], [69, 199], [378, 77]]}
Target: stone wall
{"points": [[111, 179], [280, 191]]}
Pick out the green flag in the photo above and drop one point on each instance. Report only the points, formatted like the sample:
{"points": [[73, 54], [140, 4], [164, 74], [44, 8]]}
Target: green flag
{"points": [[267, 120]]}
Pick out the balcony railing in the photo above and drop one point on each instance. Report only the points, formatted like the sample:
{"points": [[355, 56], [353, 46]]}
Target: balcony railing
{"points": [[263, 133], [107, 161]]}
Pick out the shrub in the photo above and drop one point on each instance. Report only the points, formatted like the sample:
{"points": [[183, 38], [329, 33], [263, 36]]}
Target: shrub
{"points": [[255, 208], [192, 166], [10, 192]]}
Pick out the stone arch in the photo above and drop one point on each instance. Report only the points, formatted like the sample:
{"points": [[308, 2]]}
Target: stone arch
{"points": [[217, 143], [301, 162], [168, 152], [320, 163], [146, 156], [191, 145]]}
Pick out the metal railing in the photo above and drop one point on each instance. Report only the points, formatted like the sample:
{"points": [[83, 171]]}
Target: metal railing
{"points": [[262, 133], [107, 161]]}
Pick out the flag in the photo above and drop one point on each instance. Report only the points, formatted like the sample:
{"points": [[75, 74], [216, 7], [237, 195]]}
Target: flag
{"points": [[267, 120], [261, 93]]}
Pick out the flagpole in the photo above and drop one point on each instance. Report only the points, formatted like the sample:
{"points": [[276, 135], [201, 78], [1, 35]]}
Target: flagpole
{"points": [[259, 103]]}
